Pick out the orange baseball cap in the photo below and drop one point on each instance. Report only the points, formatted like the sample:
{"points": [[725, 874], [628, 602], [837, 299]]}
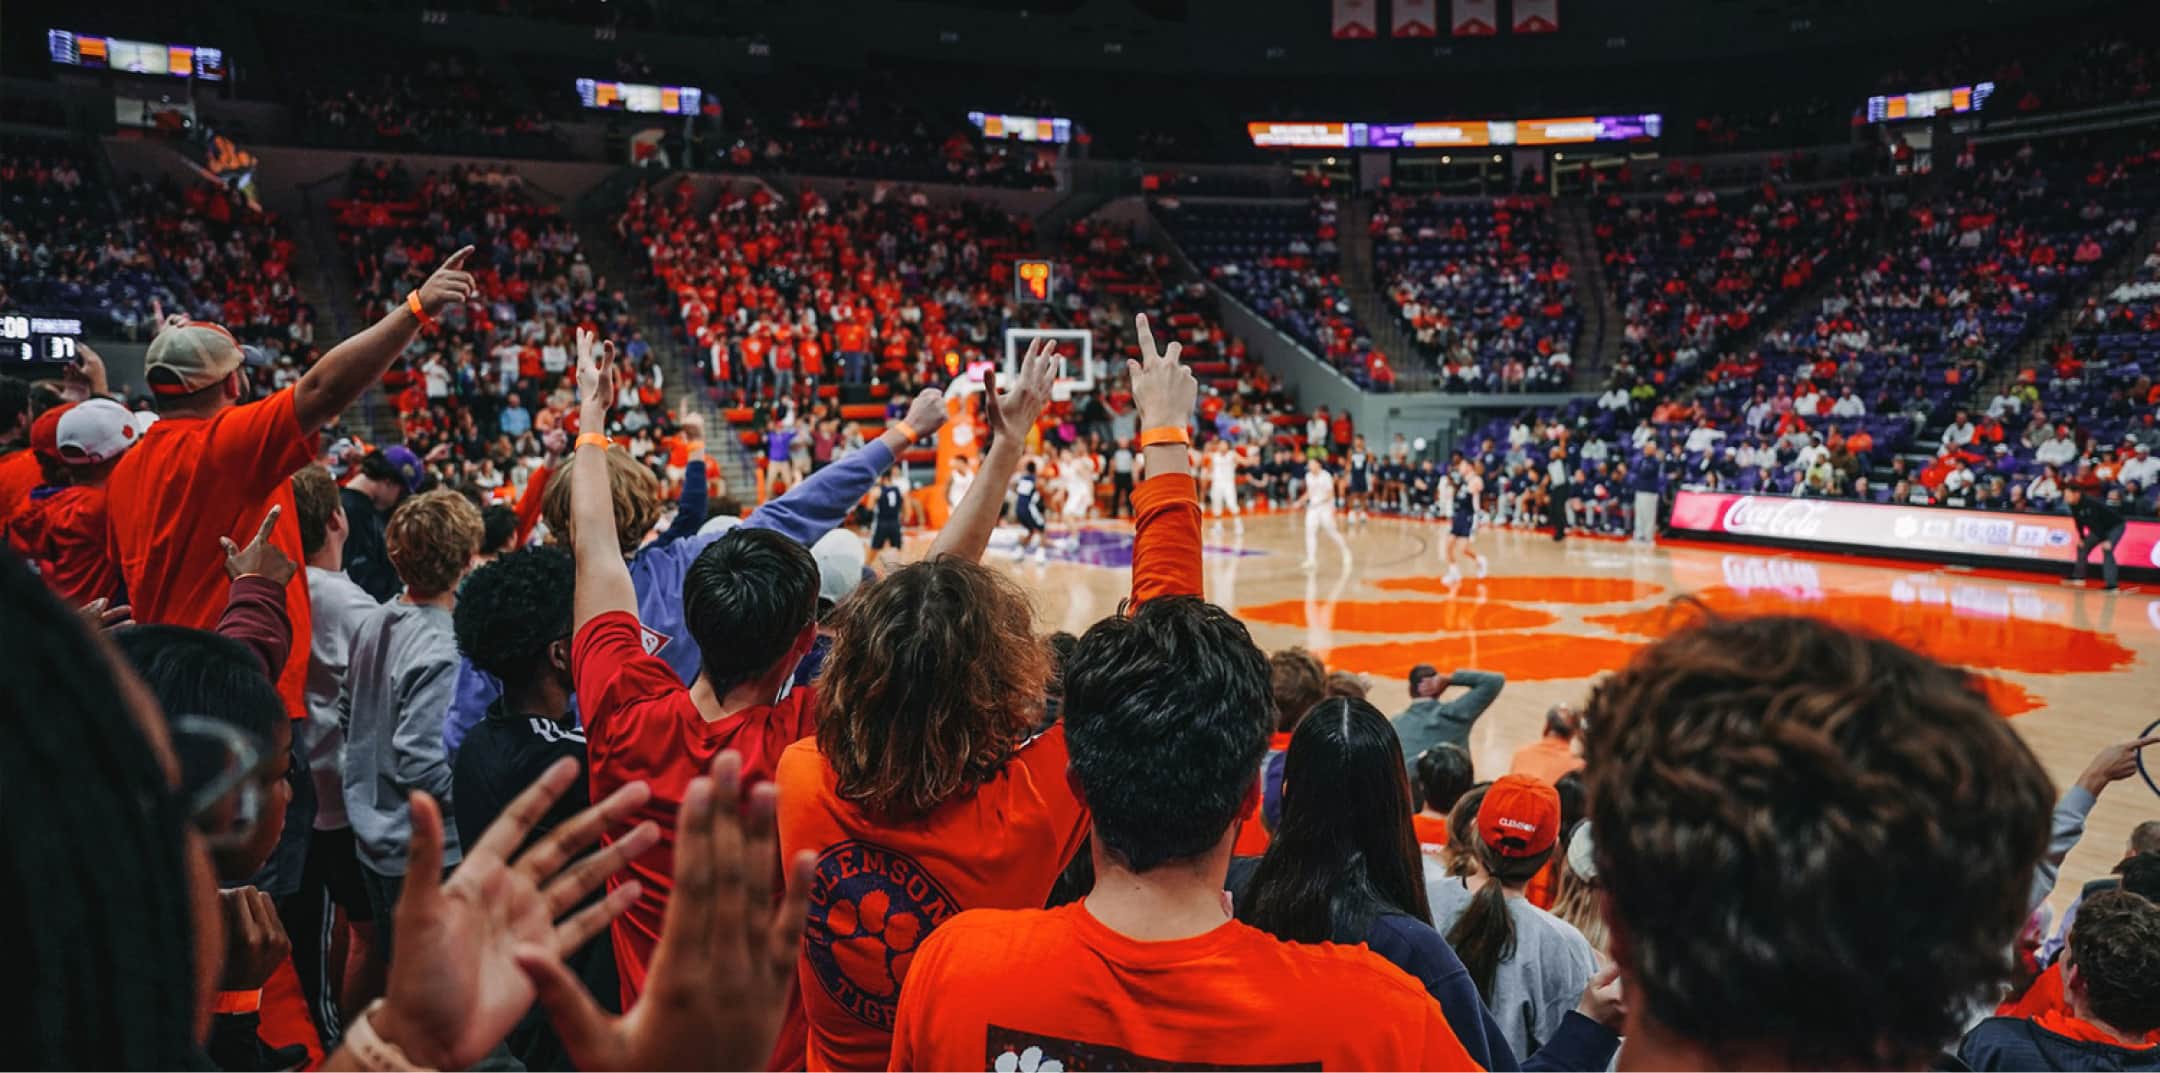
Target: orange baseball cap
{"points": [[1520, 816], [45, 431]]}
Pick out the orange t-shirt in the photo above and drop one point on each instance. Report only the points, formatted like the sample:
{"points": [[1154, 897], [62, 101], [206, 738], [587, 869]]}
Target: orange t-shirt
{"points": [[1431, 830], [192, 480], [19, 475], [880, 887], [996, 983], [1546, 758], [66, 535]]}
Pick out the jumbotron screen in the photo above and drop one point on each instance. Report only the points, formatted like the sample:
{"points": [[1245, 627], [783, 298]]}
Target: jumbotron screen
{"points": [[1457, 134], [136, 57], [1026, 128], [638, 97], [1929, 103]]}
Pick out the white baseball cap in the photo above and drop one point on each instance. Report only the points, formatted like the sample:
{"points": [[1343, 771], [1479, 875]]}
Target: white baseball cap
{"points": [[97, 430]]}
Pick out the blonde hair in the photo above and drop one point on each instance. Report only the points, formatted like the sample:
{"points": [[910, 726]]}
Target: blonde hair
{"points": [[1576, 901], [633, 489], [432, 539]]}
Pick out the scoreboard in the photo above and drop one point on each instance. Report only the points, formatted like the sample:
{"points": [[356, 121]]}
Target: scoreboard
{"points": [[1929, 103], [1458, 134], [135, 57], [26, 339], [610, 96]]}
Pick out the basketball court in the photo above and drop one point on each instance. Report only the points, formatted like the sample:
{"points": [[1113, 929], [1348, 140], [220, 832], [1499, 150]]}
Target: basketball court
{"points": [[2073, 669]]}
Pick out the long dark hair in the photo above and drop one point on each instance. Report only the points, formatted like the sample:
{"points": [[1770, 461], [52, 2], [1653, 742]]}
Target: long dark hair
{"points": [[1345, 851], [97, 911], [1484, 936]]}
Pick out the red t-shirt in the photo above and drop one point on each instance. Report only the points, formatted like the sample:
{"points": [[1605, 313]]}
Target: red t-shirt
{"points": [[192, 480], [640, 724], [19, 474], [66, 535], [994, 983]]}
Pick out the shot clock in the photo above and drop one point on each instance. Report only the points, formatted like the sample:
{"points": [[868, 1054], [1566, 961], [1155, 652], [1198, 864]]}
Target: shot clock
{"points": [[1034, 281]]}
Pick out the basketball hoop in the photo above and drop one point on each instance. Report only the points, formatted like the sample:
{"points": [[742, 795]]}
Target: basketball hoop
{"points": [[2143, 773]]}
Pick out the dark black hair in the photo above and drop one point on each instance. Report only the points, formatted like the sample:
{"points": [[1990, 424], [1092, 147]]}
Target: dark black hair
{"points": [[1344, 852], [2141, 875], [1444, 773], [1572, 803], [196, 672], [510, 610], [745, 599], [1166, 715], [96, 879], [14, 401], [498, 527]]}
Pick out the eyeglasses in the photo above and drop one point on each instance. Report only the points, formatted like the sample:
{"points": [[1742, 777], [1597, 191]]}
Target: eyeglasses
{"points": [[218, 763]]}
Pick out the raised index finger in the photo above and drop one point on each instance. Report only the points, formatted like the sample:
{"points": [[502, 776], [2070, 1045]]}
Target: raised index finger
{"points": [[262, 535], [1147, 338], [457, 260]]}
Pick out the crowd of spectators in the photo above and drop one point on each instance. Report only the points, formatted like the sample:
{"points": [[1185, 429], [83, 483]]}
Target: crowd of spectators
{"points": [[1285, 262], [868, 128], [478, 395], [1482, 288]]}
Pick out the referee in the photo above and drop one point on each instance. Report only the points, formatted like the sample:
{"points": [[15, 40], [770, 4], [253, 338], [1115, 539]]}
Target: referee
{"points": [[1557, 492]]}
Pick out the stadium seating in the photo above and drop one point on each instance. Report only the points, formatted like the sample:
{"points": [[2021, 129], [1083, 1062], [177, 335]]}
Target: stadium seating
{"points": [[1483, 288]]}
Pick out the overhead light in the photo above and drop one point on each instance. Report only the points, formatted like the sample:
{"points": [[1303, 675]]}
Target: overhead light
{"points": [[1447, 160], [1496, 158], [1331, 162], [1559, 156]]}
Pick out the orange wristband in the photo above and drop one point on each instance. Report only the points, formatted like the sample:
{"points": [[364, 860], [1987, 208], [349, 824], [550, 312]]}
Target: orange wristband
{"points": [[1165, 434], [593, 439], [412, 302]]}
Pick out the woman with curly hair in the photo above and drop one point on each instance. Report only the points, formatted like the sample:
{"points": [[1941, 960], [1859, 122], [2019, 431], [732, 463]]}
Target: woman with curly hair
{"points": [[924, 793]]}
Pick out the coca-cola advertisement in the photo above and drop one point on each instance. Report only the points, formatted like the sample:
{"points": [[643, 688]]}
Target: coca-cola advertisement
{"points": [[1950, 535]]}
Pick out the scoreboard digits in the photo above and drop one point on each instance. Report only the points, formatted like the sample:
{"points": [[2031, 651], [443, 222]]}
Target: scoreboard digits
{"points": [[1034, 281], [38, 339]]}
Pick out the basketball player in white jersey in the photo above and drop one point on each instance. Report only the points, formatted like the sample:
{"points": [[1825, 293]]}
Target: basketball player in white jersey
{"points": [[1078, 469], [1320, 513], [1467, 488], [1222, 470], [959, 480]]}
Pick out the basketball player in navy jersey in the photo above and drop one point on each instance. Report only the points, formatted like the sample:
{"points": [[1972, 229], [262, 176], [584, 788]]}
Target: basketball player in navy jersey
{"points": [[1467, 488], [1028, 510], [1361, 480], [891, 504]]}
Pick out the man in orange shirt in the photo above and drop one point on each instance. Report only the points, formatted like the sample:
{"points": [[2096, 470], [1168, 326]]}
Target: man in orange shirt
{"points": [[1553, 754], [1167, 713], [68, 534], [211, 467]]}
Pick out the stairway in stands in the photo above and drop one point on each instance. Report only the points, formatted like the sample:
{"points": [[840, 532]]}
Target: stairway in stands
{"points": [[1374, 313], [651, 312], [1599, 346]]}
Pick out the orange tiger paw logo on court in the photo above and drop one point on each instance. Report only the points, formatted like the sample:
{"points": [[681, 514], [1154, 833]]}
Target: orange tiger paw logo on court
{"points": [[870, 908]]}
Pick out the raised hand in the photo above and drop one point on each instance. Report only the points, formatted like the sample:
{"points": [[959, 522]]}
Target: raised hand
{"points": [[2113, 764], [260, 556], [1163, 388], [103, 614], [449, 284], [925, 413], [455, 985], [255, 942], [595, 380], [1014, 411], [85, 378], [721, 975]]}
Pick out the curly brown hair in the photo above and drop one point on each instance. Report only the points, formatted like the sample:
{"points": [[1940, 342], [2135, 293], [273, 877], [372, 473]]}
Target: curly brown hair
{"points": [[1810, 839], [633, 489], [432, 539], [934, 679]]}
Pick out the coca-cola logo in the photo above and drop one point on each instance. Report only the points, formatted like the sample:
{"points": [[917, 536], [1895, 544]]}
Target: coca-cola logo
{"points": [[1793, 519]]}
